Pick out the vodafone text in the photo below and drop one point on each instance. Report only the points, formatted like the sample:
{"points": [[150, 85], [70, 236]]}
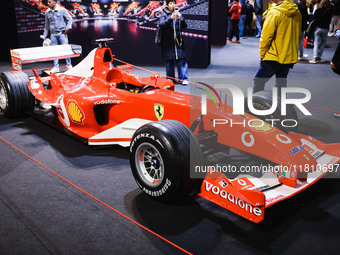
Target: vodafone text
{"points": [[232, 199]]}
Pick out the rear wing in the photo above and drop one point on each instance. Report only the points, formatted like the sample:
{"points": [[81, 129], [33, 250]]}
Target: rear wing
{"points": [[41, 54]]}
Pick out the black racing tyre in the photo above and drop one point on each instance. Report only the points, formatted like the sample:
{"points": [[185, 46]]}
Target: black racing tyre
{"points": [[263, 100], [147, 88], [160, 157], [15, 96]]}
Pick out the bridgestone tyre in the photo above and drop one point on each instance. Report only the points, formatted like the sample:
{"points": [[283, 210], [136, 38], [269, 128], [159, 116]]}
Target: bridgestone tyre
{"points": [[160, 160], [263, 100], [15, 96]]}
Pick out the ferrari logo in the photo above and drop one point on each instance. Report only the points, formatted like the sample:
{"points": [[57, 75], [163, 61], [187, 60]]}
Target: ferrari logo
{"points": [[159, 111]]}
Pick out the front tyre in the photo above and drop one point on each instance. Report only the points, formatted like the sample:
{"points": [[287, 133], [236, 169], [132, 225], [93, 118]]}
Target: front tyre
{"points": [[161, 153]]}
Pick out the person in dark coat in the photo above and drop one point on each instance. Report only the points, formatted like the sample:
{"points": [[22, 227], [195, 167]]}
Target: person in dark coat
{"points": [[249, 19], [304, 14], [322, 19], [335, 64], [173, 50], [258, 8]]}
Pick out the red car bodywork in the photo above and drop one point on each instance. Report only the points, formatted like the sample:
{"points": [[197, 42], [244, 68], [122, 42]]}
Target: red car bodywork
{"points": [[104, 105]]}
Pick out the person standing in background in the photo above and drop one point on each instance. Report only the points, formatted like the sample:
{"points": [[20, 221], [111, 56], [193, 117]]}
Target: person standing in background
{"points": [[172, 22], [335, 23], [235, 12], [335, 64], [322, 20], [249, 19], [242, 17], [258, 8], [304, 14], [230, 4], [279, 44], [58, 22]]}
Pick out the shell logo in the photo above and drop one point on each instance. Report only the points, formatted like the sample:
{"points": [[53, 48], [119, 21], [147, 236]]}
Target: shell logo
{"points": [[75, 112]]}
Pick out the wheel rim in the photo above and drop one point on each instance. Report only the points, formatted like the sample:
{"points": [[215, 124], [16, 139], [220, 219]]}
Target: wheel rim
{"points": [[149, 163], [3, 98]]}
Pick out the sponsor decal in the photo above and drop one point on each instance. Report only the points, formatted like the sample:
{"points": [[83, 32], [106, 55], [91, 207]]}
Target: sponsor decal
{"points": [[209, 187], [159, 111], [242, 183], [17, 61], [260, 126], [15, 54], [223, 183], [249, 141], [17, 67], [311, 148], [158, 192], [283, 139], [262, 188], [296, 150], [144, 135], [76, 114], [107, 101], [274, 199]]}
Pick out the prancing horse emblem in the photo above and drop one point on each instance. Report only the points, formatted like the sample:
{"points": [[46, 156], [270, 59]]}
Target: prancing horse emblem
{"points": [[159, 111]]}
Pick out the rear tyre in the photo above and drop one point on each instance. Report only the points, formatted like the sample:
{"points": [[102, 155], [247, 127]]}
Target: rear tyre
{"points": [[160, 157], [15, 96], [263, 100]]}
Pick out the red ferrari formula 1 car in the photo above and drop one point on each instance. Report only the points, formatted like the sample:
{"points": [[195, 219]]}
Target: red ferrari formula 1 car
{"points": [[170, 139]]}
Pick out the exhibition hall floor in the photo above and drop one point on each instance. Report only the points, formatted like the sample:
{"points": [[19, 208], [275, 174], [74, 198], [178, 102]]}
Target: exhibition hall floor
{"points": [[60, 196]]}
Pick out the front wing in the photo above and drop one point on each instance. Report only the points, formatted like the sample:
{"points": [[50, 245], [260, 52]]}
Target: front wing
{"points": [[249, 196]]}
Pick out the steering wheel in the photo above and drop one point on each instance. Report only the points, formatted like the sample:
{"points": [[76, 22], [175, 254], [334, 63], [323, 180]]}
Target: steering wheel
{"points": [[147, 88], [102, 42]]}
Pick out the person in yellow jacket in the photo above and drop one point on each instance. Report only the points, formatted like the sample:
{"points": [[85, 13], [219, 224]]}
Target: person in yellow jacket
{"points": [[279, 44]]}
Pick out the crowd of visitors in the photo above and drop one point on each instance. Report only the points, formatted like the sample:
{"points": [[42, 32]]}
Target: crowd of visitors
{"points": [[323, 16], [286, 25]]}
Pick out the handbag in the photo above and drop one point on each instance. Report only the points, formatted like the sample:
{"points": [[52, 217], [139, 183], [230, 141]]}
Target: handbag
{"points": [[311, 27], [158, 36]]}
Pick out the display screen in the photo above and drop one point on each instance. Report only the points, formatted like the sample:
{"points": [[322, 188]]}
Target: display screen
{"points": [[132, 24]]}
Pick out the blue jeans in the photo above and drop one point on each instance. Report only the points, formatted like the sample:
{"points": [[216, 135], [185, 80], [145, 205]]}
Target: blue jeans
{"points": [[258, 24], [242, 24], [320, 38], [182, 68], [266, 70], [301, 44], [229, 27], [56, 40]]}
